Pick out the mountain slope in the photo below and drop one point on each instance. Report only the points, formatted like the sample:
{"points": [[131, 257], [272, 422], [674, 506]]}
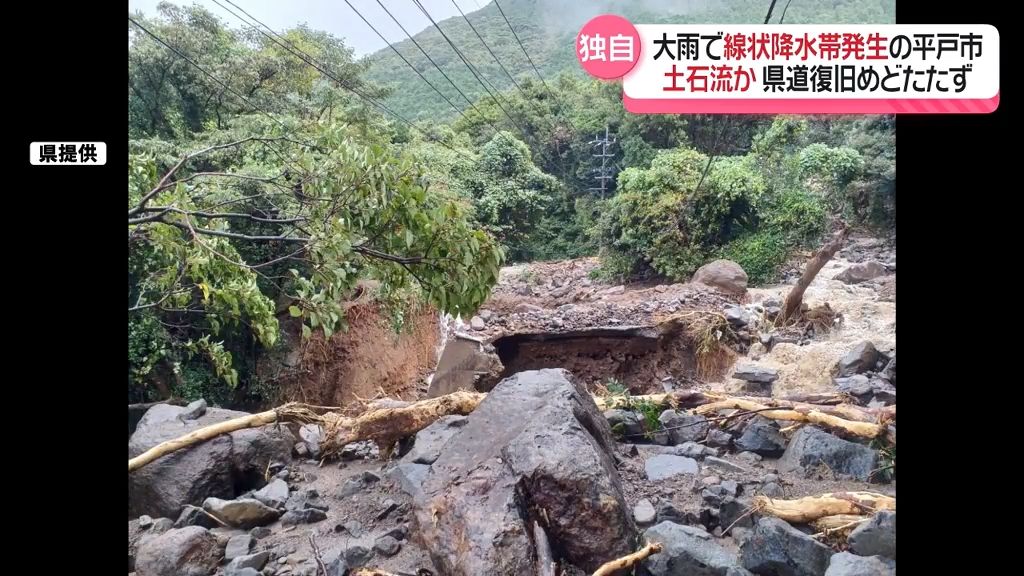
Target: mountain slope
{"points": [[547, 29]]}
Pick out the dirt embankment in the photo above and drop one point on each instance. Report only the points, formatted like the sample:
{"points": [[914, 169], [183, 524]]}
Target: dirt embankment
{"points": [[367, 361]]}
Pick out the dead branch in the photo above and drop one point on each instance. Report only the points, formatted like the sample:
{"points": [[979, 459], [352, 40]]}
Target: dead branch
{"points": [[811, 508], [791, 307], [629, 560]]}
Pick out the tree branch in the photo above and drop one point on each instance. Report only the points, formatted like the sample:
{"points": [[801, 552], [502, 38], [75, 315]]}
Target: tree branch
{"points": [[162, 184]]}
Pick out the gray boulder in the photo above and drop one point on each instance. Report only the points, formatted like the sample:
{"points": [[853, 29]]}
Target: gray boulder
{"points": [[190, 551], [737, 316], [536, 442], [274, 494], [238, 546], [725, 275], [683, 427], [774, 547], [876, 537], [689, 551], [212, 468], [811, 448], [432, 439], [861, 272], [762, 436], [625, 422], [846, 564], [409, 476], [242, 513], [859, 359], [254, 562], [755, 373]]}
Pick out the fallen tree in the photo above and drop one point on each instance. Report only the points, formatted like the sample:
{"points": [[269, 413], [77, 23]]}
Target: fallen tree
{"points": [[817, 508], [387, 422], [383, 425], [826, 404], [795, 298], [811, 415]]}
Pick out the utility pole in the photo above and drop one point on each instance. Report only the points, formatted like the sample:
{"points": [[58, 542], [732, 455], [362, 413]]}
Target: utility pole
{"points": [[604, 173]]}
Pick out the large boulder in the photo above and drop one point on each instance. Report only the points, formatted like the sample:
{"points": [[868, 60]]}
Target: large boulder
{"points": [[861, 272], [755, 373], [860, 359], [774, 547], [689, 551], [537, 445], [811, 447], [725, 275], [190, 551], [212, 468], [432, 439]]}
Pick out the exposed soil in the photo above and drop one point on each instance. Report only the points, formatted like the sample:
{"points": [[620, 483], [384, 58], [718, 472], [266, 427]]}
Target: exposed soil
{"points": [[367, 361], [637, 358]]}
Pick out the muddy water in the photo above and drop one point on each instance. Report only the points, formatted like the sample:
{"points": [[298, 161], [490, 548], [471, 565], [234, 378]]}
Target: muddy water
{"points": [[807, 368]]}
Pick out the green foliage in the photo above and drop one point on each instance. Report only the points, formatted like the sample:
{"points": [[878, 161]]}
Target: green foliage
{"points": [[671, 217], [508, 193], [761, 254], [649, 411], [262, 220]]}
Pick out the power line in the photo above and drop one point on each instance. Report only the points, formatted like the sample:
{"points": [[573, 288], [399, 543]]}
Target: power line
{"points": [[496, 59], [308, 59], [404, 59], [431, 60], [468, 65], [526, 53]]}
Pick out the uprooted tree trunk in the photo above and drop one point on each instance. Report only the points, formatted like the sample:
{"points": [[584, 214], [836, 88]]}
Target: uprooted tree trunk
{"points": [[387, 422], [795, 298], [383, 425], [814, 508], [386, 426]]}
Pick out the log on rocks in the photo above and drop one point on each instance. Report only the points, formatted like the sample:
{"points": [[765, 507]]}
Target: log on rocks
{"points": [[628, 561], [811, 508], [830, 404], [288, 412], [791, 307], [383, 426], [386, 426], [792, 414]]}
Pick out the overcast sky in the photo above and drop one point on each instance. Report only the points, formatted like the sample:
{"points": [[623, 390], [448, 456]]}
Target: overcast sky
{"points": [[333, 16]]}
